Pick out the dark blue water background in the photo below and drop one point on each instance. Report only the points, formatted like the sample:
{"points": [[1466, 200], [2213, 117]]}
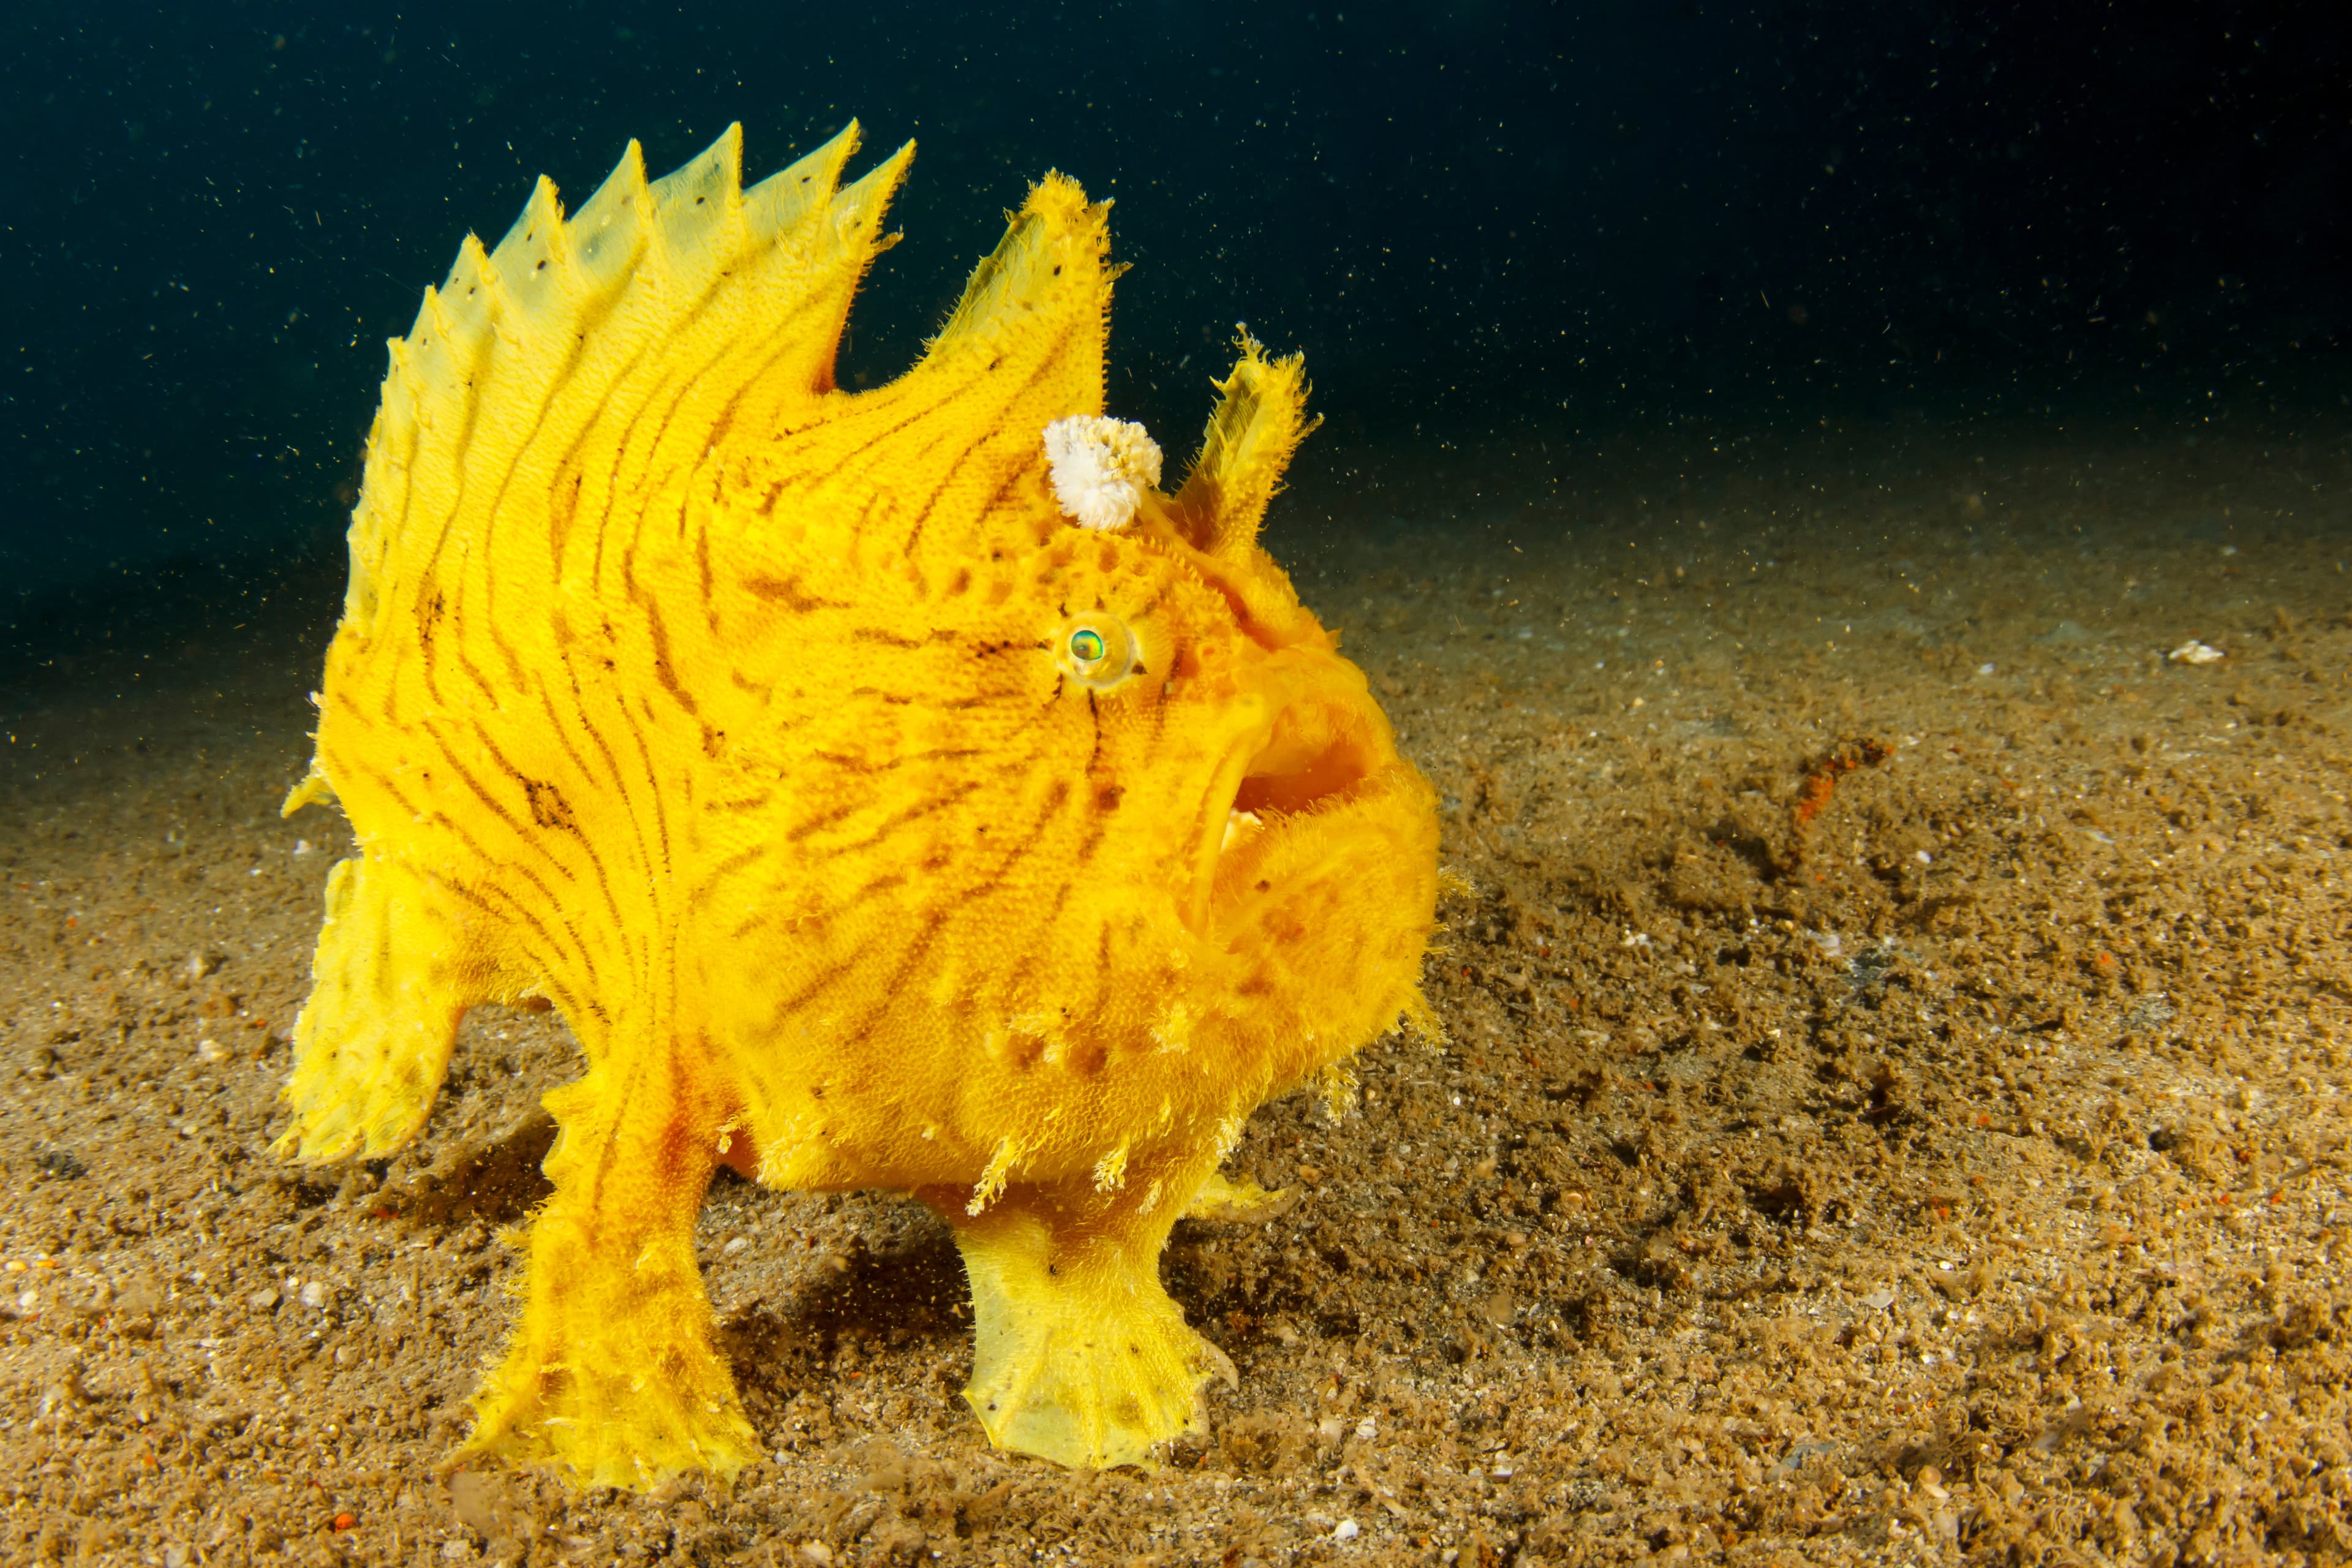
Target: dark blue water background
{"points": [[1481, 221]]}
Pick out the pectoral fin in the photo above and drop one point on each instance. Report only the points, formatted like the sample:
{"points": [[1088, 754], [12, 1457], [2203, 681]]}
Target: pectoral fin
{"points": [[388, 986]]}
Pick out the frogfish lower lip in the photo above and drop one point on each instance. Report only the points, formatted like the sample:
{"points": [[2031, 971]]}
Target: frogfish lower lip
{"points": [[1319, 917]]}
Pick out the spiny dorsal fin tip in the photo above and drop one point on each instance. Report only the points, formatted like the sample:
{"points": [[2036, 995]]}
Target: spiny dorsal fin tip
{"points": [[778, 206], [533, 264], [694, 201], [866, 197], [561, 316]]}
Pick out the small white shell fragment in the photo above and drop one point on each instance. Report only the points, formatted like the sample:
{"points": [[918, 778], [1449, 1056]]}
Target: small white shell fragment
{"points": [[1101, 466], [1346, 1529], [2195, 652]]}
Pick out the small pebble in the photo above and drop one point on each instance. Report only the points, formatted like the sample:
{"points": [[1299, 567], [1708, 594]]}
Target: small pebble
{"points": [[1346, 1529]]}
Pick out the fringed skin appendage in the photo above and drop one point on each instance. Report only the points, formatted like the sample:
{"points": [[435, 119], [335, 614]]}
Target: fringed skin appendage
{"points": [[389, 985], [613, 1376], [1079, 1356], [1222, 1198]]}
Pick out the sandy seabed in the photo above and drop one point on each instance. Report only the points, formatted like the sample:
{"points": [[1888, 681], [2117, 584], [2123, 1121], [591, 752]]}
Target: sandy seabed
{"points": [[1895, 1107]]}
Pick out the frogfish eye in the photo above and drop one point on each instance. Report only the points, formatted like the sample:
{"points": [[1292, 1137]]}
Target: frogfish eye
{"points": [[1095, 650]]}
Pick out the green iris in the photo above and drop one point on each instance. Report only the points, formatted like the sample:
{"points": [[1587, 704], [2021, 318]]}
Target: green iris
{"points": [[1098, 651]]}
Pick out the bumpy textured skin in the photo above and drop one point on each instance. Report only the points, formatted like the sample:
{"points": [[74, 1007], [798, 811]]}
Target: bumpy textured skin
{"points": [[736, 715]]}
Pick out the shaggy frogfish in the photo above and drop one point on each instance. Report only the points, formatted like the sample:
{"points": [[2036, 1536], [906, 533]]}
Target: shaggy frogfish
{"points": [[893, 789]]}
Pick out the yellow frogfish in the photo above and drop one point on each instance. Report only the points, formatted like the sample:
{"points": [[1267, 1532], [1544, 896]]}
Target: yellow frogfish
{"points": [[893, 789]]}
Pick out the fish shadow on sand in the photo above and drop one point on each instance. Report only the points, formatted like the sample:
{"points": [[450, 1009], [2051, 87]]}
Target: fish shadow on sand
{"points": [[897, 1295], [494, 1181]]}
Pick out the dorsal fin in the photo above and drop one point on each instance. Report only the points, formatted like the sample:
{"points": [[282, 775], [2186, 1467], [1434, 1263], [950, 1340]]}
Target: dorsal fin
{"points": [[1259, 420], [1054, 243], [512, 404]]}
